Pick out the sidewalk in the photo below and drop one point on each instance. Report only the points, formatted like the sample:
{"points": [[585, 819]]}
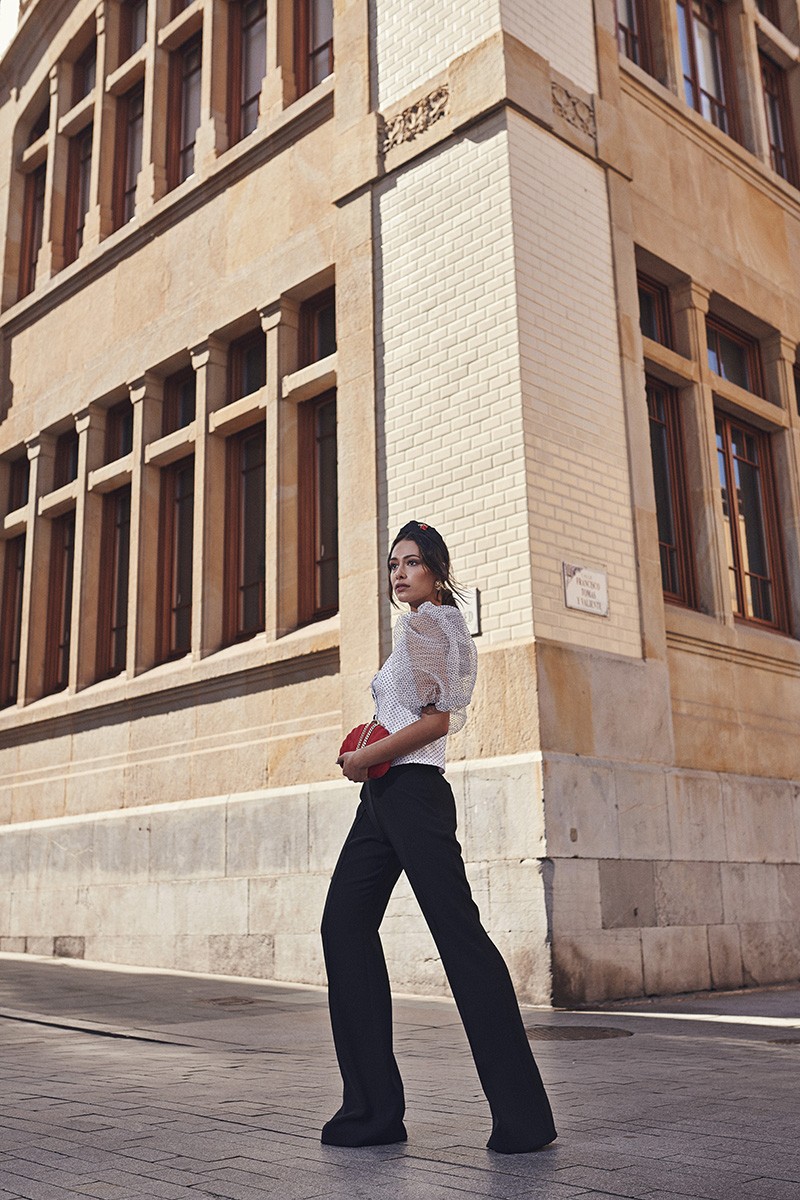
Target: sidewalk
{"points": [[134, 1085]]}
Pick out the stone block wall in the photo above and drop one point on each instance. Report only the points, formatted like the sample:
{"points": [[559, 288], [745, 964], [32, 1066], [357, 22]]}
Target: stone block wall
{"points": [[670, 880], [235, 884]]}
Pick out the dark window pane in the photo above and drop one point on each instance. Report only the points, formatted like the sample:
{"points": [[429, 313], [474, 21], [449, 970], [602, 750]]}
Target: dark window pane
{"points": [[138, 25], [113, 634], [84, 73], [18, 483], [33, 228], [666, 450], [182, 562], [648, 317], [11, 620], [191, 61], [180, 393], [252, 533], [327, 509], [66, 458], [59, 623]]}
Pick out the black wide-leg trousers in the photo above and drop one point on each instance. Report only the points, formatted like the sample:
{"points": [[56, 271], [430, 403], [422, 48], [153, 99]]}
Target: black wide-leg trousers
{"points": [[406, 821]]}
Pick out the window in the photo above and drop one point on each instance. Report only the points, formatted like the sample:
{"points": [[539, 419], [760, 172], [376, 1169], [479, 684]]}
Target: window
{"points": [[133, 28], [128, 164], [180, 400], [176, 559], [314, 42], [631, 32], [318, 328], [248, 64], [59, 604], [184, 114], [84, 72], [78, 191], [18, 483], [112, 638], [32, 228], [779, 120], [796, 373], [65, 467], [178, 6], [245, 534], [751, 533], [666, 447], [319, 536], [247, 365], [654, 311], [119, 431], [11, 623], [701, 25], [734, 356]]}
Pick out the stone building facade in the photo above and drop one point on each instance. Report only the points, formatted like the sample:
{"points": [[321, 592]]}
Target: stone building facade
{"points": [[277, 276]]}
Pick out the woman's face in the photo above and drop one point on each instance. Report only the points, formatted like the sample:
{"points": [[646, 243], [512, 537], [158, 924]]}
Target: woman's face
{"points": [[412, 581]]}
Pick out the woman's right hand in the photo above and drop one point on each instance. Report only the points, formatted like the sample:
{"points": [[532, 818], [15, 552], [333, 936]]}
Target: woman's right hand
{"points": [[352, 768]]}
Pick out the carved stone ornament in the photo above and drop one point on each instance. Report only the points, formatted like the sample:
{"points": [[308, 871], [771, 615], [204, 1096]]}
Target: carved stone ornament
{"points": [[415, 119], [574, 111]]}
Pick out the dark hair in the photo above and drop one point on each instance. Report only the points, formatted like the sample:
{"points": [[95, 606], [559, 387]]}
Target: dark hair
{"points": [[434, 554]]}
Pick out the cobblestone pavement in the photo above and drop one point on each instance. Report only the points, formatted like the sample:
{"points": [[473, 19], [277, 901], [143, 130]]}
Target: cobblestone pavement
{"points": [[133, 1085]]}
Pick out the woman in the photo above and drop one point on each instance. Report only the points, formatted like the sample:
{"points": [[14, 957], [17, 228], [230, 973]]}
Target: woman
{"points": [[407, 822]]}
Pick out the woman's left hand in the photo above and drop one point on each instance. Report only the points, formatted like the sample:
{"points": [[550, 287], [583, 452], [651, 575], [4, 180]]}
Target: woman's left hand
{"points": [[350, 762]]}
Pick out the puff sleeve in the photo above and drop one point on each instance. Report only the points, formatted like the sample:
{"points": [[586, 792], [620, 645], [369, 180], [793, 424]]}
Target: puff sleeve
{"points": [[434, 661]]}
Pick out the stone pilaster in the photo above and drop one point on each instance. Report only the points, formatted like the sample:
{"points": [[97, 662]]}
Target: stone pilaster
{"points": [[41, 452], [210, 362], [146, 397], [91, 426], [280, 323]]}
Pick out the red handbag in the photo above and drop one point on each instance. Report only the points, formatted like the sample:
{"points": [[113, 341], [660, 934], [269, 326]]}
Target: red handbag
{"points": [[364, 735]]}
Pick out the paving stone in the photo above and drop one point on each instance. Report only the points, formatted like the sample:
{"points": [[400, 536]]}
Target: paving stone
{"points": [[236, 1112]]}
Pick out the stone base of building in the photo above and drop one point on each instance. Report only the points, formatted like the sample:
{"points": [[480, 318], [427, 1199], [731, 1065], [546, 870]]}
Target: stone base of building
{"points": [[236, 884], [656, 881]]}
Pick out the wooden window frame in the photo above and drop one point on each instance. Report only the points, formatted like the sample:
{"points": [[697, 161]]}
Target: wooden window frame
{"points": [[114, 583], [11, 622], [32, 228], [660, 294], [124, 201], [126, 46], [237, 104], [65, 463], [769, 9], [309, 606], [726, 111], [309, 330], [303, 49], [177, 147], [769, 511], [170, 412], [236, 356], [715, 326], [635, 43], [685, 592], [773, 85], [235, 629], [168, 554], [58, 635], [19, 476], [80, 162]]}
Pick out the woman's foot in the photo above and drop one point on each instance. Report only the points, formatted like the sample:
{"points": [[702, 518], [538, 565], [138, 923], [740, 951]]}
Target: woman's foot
{"points": [[335, 1135], [501, 1145]]}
